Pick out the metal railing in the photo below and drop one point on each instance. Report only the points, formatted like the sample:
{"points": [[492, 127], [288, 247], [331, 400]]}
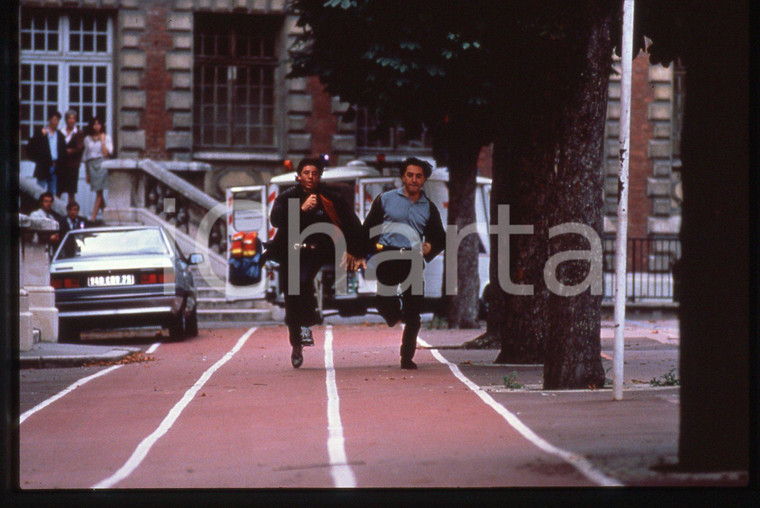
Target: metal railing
{"points": [[650, 265]]}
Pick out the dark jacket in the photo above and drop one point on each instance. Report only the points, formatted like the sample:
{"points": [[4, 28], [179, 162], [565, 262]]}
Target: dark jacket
{"points": [[433, 232], [38, 150], [79, 223], [72, 157], [349, 223]]}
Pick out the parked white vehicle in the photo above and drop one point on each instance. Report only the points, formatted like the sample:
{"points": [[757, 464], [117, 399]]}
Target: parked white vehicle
{"points": [[248, 210]]}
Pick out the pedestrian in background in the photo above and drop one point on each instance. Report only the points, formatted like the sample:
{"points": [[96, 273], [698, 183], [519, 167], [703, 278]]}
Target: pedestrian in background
{"points": [[68, 172], [97, 146], [407, 207], [46, 148], [45, 211], [72, 220], [317, 204]]}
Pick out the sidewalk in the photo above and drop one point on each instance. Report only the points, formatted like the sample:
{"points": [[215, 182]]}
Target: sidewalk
{"points": [[54, 354], [634, 440]]}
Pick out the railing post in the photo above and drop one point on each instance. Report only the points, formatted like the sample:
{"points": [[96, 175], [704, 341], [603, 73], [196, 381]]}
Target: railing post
{"points": [[634, 270], [122, 184]]}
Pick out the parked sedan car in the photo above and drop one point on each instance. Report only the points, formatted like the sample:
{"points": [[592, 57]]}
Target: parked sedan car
{"points": [[112, 277]]}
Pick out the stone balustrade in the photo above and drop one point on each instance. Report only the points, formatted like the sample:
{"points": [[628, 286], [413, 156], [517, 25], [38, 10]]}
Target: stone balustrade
{"points": [[38, 316], [147, 192]]}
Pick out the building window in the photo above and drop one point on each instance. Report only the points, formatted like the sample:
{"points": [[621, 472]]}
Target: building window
{"points": [[66, 62], [235, 77], [679, 97], [371, 138]]}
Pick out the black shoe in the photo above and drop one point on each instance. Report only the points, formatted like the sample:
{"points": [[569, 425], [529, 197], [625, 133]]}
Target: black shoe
{"points": [[307, 339], [296, 357], [408, 364]]}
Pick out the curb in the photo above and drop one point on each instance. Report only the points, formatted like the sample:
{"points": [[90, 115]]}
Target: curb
{"points": [[73, 360]]}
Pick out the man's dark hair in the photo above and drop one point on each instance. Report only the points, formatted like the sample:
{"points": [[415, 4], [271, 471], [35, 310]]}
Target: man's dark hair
{"points": [[72, 205], [44, 195], [56, 114], [427, 168], [311, 161]]}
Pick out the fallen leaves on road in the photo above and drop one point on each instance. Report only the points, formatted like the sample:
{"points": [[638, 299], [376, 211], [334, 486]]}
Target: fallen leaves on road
{"points": [[137, 357]]}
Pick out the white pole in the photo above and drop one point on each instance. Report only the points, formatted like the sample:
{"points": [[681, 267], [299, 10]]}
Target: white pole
{"points": [[621, 254]]}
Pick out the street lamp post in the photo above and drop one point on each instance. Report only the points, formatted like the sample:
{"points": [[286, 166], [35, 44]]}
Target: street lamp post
{"points": [[622, 209]]}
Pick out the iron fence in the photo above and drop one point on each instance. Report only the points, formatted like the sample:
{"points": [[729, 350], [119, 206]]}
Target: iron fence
{"points": [[650, 265]]}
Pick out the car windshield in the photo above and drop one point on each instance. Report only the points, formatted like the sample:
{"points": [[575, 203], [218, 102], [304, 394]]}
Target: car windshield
{"points": [[111, 243]]}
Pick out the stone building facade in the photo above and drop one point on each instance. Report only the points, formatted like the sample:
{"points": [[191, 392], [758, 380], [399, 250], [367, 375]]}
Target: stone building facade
{"points": [[654, 164], [205, 81]]}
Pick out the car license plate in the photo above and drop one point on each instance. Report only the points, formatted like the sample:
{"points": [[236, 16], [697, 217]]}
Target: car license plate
{"points": [[111, 280]]}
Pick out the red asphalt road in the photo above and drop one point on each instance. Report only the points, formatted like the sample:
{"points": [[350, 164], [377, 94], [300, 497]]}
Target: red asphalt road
{"points": [[259, 423]]}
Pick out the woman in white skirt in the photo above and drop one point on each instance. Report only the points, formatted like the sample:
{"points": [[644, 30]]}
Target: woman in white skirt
{"points": [[97, 146]]}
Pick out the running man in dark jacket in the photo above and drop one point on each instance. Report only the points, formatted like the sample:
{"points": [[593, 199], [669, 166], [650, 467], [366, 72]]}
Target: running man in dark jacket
{"points": [[316, 205]]}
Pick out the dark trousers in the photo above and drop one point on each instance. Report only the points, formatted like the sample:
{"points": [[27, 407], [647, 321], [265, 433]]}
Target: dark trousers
{"points": [[301, 309], [407, 307]]}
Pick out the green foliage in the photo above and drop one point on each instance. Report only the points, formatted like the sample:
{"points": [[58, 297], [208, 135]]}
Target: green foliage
{"points": [[510, 381], [667, 379], [437, 323], [474, 61], [477, 63]]}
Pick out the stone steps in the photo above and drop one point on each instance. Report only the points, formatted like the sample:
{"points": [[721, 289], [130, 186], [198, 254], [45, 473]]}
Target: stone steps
{"points": [[214, 309], [233, 316]]}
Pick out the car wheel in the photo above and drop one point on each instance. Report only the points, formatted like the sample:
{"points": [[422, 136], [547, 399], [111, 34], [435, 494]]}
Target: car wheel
{"points": [[68, 333], [177, 326], [191, 326]]}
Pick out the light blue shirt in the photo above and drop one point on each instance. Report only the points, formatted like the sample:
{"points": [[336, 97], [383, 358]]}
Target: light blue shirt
{"points": [[53, 140], [399, 209]]}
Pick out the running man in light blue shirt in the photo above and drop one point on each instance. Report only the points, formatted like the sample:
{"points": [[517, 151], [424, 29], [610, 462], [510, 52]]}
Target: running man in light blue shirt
{"points": [[411, 225]]}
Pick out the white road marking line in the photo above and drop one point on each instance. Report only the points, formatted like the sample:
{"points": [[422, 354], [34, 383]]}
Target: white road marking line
{"points": [[144, 447], [343, 475], [60, 394], [76, 385], [577, 461]]}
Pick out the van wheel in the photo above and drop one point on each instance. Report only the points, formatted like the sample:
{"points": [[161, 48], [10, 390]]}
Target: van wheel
{"points": [[320, 295], [485, 302], [68, 333]]}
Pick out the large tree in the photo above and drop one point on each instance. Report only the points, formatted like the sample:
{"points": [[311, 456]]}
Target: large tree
{"points": [[548, 162]]}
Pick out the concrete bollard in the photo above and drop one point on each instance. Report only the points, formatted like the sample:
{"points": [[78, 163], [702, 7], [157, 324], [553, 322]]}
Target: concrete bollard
{"points": [[25, 328]]}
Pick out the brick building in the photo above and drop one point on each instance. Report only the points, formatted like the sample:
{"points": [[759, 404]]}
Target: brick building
{"points": [[204, 81]]}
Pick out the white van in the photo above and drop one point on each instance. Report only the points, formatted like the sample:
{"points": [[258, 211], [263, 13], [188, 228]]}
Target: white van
{"points": [[248, 207]]}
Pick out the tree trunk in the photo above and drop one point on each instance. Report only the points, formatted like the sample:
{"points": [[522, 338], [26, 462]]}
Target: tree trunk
{"points": [[573, 358], [457, 145], [462, 308], [520, 320], [549, 169], [714, 310]]}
